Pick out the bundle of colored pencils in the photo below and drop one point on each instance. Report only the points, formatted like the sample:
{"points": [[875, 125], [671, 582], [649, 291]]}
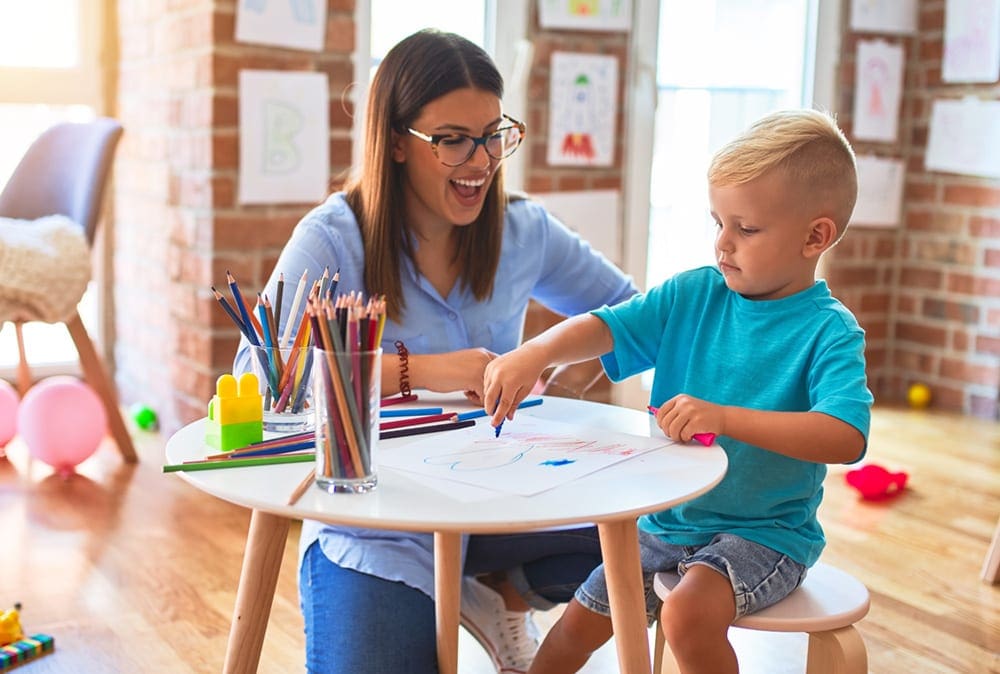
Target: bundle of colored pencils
{"points": [[348, 332], [287, 382]]}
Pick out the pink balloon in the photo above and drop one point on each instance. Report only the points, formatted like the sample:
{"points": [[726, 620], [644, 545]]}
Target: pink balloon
{"points": [[8, 412], [62, 421]]}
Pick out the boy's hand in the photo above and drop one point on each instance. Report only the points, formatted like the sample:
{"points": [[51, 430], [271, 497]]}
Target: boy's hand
{"points": [[509, 379], [682, 416]]}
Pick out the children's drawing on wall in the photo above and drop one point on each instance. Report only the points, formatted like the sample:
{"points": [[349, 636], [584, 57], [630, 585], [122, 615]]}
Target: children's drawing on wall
{"points": [[880, 192], [582, 109], [601, 15], [960, 130], [531, 455], [284, 141], [296, 24], [971, 41], [884, 16], [878, 90]]}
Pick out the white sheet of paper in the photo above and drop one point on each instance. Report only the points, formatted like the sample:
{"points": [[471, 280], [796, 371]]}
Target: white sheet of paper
{"points": [[593, 214], [880, 192], [971, 41], [878, 90], [583, 105], [962, 135], [884, 16], [284, 137], [296, 24], [530, 456]]}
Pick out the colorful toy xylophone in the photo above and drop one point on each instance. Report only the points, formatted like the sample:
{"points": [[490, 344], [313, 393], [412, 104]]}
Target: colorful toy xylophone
{"points": [[25, 649]]}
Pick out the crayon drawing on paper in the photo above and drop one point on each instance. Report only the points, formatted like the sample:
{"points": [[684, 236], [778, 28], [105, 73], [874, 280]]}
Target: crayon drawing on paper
{"points": [[530, 456]]}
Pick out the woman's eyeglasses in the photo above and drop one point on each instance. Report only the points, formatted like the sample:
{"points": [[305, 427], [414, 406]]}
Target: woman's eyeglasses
{"points": [[454, 149]]}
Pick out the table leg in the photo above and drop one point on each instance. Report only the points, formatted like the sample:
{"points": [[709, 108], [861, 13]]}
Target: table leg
{"points": [[623, 572], [447, 598], [991, 565], [261, 563]]}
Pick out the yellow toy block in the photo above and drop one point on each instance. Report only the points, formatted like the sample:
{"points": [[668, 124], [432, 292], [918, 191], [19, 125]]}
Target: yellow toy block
{"points": [[234, 404], [235, 414]]}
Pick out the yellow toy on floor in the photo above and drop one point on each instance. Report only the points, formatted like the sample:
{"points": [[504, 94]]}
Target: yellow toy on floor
{"points": [[10, 626]]}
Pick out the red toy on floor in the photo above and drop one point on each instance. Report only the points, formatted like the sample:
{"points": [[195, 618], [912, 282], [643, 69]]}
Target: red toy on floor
{"points": [[875, 482]]}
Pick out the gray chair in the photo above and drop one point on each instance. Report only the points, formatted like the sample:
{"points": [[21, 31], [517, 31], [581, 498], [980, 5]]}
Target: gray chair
{"points": [[65, 172]]}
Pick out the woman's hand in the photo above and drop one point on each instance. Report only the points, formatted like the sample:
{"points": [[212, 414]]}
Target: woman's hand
{"points": [[456, 371]]}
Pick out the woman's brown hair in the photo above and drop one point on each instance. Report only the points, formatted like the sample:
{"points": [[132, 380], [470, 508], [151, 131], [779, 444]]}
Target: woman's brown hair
{"points": [[418, 70]]}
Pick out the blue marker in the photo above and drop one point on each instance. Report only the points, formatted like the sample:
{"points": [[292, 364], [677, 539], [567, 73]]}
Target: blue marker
{"points": [[500, 425]]}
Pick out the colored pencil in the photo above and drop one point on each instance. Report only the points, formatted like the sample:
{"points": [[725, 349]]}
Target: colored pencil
{"points": [[398, 400], [301, 488], [279, 295], [412, 412], [229, 310], [417, 421], [248, 318], [420, 430], [299, 289], [239, 463], [478, 414]]}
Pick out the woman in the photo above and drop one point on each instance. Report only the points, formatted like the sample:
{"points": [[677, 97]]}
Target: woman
{"points": [[427, 223]]}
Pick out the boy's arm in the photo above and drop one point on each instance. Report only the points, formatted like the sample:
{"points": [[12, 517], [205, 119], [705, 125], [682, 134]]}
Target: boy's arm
{"points": [[509, 378], [809, 436]]}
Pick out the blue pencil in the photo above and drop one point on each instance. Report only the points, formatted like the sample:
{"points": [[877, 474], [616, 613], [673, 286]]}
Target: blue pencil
{"points": [[476, 414], [270, 451], [413, 412], [241, 307]]}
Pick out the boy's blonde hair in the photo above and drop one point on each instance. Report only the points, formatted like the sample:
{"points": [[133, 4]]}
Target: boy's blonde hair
{"points": [[811, 150]]}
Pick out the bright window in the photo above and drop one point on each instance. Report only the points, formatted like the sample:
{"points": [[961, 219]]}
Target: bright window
{"points": [[49, 72]]}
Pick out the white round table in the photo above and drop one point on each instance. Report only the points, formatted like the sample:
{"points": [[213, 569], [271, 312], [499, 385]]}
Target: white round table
{"points": [[612, 497]]}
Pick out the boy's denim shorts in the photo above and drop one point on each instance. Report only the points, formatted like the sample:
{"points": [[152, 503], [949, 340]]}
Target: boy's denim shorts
{"points": [[759, 575]]}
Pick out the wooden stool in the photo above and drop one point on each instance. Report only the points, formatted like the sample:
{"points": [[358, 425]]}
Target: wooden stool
{"points": [[825, 606]]}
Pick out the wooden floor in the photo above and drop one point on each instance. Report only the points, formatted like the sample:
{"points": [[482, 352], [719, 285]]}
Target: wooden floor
{"points": [[132, 570]]}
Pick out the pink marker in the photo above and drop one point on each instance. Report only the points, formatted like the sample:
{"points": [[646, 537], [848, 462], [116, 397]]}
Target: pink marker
{"points": [[704, 438]]}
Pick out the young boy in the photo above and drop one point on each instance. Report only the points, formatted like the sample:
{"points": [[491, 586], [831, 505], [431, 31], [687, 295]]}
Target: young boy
{"points": [[755, 351]]}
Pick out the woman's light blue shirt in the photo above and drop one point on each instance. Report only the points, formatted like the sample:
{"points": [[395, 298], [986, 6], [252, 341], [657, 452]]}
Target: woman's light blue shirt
{"points": [[800, 353], [540, 259]]}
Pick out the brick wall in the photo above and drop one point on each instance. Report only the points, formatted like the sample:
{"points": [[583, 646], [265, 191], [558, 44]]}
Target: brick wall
{"points": [[178, 227], [927, 292], [540, 177]]}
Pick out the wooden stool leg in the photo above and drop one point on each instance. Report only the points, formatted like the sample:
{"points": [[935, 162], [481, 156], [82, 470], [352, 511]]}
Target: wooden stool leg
{"points": [[663, 659], [23, 372], [840, 651], [97, 377]]}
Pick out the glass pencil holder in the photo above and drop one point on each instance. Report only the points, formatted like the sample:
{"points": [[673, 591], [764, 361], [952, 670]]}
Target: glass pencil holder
{"points": [[346, 395], [285, 377]]}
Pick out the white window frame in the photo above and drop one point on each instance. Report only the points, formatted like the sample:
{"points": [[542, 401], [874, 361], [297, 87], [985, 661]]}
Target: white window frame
{"points": [[824, 17], [85, 84]]}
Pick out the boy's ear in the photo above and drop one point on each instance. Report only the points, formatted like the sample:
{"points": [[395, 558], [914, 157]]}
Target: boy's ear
{"points": [[822, 235]]}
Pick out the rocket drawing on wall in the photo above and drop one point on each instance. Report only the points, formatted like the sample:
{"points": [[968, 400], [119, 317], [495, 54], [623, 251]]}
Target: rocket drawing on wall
{"points": [[583, 106]]}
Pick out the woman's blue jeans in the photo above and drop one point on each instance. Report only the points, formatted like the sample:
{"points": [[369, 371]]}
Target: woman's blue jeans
{"points": [[359, 624]]}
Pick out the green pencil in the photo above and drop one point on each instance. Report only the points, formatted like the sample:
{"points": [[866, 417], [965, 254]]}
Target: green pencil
{"points": [[239, 463]]}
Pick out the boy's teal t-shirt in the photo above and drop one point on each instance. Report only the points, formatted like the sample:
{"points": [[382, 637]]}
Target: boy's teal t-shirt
{"points": [[800, 353]]}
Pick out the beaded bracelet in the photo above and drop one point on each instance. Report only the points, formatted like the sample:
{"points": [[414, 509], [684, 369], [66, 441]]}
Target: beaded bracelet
{"points": [[404, 367]]}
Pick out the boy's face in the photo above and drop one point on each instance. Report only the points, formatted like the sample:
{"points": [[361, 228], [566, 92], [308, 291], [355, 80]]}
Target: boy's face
{"points": [[766, 243]]}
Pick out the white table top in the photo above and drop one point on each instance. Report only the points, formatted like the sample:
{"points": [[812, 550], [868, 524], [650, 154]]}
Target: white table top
{"points": [[646, 483]]}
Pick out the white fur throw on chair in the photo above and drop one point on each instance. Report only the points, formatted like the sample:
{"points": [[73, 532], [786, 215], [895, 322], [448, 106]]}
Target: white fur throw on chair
{"points": [[44, 268]]}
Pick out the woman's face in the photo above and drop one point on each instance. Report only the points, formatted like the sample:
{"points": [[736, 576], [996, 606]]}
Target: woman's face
{"points": [[436, 195]]}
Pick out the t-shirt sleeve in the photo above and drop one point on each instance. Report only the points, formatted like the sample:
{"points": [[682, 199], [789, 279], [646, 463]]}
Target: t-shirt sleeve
{"points": [[838, 383], [637, 326]]}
